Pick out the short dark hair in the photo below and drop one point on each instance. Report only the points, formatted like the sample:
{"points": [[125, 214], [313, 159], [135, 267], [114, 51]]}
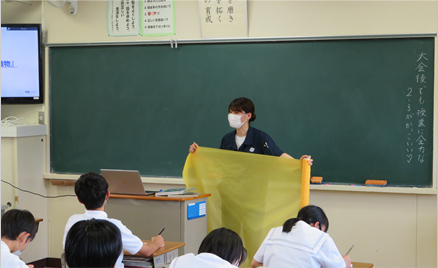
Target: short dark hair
{"points": [[93, 243], [91, 189], [225, 244], [16, 221], [243, 105], [309, 214]]}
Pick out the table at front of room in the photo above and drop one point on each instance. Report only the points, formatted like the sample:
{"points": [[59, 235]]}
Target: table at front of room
{"points": [[185, 219]]}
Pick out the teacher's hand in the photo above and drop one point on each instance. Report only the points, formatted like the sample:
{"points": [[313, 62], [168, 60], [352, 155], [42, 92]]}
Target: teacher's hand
{"points": [[309, 161], [193, 147]]}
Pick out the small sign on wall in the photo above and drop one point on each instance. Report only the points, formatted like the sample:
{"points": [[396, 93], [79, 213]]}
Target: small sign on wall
{"points": [[223, 18], [158, 17], [146, 17], [196, 210], [123, 18]]}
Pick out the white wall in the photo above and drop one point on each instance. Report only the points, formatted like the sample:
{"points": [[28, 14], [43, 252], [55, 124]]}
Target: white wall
{"points": [[389, 230]]}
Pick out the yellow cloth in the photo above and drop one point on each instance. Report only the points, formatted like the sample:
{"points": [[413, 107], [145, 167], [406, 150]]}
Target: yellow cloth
{"points": [[250, 193]]}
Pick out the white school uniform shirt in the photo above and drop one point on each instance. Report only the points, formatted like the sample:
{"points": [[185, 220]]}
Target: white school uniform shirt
{"points": [[304, 246], [131, 243], [202, 260], [10, 260]]}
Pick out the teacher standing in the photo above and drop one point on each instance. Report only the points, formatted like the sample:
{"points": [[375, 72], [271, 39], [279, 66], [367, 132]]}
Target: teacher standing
{"points": [[245, 138]]}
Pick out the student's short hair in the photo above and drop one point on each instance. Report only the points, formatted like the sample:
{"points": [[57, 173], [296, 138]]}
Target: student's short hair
{"points": [[93, 243], [91, 189], [16, 221], [243, 104], [225, 244], [309, 214]]}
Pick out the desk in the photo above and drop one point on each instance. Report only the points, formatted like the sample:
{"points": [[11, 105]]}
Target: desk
{"points": [[146, 216], [362, 265], [164, 256]]}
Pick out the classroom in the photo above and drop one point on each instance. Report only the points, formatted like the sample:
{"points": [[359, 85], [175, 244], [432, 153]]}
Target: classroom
{"points": [[389, 227]]}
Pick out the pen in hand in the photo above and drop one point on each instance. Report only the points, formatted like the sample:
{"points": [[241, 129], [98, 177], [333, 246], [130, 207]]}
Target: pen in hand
{"points": [[161, 231], [349, 250]]}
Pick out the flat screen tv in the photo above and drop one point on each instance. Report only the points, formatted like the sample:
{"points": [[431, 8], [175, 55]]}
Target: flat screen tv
{"points": [[21, 64]]}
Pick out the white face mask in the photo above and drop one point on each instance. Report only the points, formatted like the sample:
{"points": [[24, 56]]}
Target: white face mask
{"points": [[235, 120], [18, 251]]}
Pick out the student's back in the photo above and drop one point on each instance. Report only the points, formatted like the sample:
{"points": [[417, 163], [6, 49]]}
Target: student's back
{"points": [[301, 242], [304, 247]]}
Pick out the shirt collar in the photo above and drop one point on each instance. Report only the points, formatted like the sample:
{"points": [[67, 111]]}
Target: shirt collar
{"points": [[249, 140], [96, 214], [5, 246]]}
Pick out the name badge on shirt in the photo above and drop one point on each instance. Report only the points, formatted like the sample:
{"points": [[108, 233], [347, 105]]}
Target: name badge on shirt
{"points": [[252, 149]]}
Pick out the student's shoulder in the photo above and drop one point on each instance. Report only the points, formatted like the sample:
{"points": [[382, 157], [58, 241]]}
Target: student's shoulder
{"points": [[75, 218], [183, 261], [116, 222], [275, 232]]}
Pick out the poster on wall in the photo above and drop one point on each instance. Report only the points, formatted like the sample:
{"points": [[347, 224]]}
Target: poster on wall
{"points": [[123, 17], [223, 18], [158, 17]]}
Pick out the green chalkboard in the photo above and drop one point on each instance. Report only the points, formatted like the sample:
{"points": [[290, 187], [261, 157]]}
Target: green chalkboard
{"points": [[362, 108]]}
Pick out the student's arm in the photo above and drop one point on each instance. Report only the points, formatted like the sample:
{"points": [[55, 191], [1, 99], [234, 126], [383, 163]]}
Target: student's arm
{"points": [[255, 264], [149, 248], [347, 261]]}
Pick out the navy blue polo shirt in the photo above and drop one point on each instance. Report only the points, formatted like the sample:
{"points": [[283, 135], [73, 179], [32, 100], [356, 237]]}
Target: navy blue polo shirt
{"points": [[256, 141]]}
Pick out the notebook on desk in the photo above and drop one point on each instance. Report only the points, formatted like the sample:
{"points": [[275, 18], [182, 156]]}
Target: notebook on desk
{"points": [[124, 181]]}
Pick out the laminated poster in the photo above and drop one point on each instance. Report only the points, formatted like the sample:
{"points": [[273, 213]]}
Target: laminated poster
{"points": [[123, 17]]}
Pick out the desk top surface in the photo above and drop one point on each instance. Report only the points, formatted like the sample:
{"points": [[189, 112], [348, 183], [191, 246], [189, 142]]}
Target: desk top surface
{"points": [[168, 246], [362, 265], [153, 197]]}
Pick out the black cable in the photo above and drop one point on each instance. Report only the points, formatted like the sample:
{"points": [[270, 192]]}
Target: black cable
{"points": [[26, 191]]}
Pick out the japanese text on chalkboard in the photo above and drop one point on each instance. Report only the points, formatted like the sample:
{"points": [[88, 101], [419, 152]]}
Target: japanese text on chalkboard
{"points": [[415, 119]]}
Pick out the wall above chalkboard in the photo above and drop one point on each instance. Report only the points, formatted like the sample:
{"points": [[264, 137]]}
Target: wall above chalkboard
{"points": [[363, 108]]}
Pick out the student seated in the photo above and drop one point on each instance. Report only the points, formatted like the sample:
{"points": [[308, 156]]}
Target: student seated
{"points": [[92, 191], [301, 242], [18, 229], [93, 243], [221, 248]]}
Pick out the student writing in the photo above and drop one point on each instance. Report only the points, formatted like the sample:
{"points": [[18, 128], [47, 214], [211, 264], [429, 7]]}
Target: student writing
{"points": [[301, 242], [92, 191]]}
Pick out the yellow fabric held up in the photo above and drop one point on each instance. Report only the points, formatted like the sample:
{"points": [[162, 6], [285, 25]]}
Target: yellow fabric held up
{"points": [[305, 182], [250, 193]]}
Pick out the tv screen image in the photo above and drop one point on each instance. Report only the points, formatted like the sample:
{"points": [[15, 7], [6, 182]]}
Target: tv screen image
{"points": [[21, 64]]}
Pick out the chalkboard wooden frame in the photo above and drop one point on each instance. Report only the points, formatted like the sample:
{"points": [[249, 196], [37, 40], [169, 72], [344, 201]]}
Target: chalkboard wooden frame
{"points": [[95, 124]]}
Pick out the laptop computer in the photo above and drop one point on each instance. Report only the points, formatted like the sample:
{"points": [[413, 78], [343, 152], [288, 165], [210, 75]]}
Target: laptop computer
{"points": [[124, 181]]}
